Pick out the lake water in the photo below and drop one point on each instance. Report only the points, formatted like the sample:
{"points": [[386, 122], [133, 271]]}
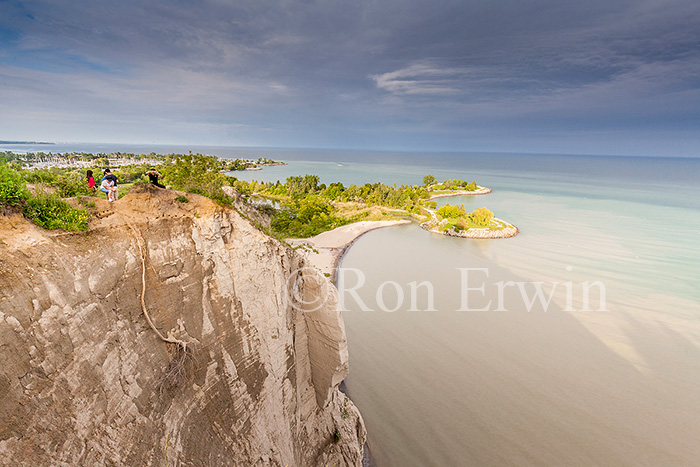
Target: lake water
{"points": [[462, 373], [460, 378]]}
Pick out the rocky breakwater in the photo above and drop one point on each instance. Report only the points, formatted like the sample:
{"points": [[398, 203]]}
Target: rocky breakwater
{"points": [[85, 380], [480, 190], [498, 229]]}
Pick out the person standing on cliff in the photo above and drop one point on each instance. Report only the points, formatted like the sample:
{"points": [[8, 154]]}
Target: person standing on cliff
{"points": [[153, 176]]}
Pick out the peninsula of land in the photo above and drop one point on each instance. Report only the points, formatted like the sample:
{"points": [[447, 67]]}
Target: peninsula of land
{"points": [[480, 190]]}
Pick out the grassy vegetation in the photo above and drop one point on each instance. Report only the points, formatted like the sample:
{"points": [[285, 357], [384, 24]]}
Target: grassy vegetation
{"points": [[45, 209], [306, 217], [12, 186], [49, 211], [457, 218], [198, 174], [450, 185], [44, 203], [405, 197], [70, 182]]}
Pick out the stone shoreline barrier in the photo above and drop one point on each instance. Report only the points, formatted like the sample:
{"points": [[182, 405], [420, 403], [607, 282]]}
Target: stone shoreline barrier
{"points": [[509, 231], [480, 190]]}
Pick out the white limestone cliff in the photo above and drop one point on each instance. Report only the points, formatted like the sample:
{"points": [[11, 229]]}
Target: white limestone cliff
{"points": [[85, 381]]}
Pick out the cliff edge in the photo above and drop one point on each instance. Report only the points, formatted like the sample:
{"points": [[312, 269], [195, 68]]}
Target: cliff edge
{"points": [[84, 379]]}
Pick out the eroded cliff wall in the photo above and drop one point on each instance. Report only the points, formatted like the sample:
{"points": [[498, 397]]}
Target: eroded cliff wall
{"points": [[84, 379]]}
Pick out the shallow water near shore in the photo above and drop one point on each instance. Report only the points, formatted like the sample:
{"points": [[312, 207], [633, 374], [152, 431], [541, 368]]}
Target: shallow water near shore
{"points": [[554, 387]]}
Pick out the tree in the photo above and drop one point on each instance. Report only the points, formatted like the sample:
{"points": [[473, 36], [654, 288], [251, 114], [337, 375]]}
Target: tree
{"points": [[298, 186], [428, 180], [448, 211], [481, 217]]}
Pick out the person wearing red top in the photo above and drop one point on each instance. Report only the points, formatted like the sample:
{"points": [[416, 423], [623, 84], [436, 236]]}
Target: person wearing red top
{"points": [[91, 182]]}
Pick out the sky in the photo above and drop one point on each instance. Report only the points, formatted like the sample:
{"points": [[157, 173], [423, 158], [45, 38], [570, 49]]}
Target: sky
{"points": [[542, 76]]}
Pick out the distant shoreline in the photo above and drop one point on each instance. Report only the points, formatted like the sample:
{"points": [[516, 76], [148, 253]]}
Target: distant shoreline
{"points": [[26, 142], [259, 167], [480, 190]]}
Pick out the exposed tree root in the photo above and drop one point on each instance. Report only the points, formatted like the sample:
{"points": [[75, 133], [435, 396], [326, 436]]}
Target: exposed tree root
{"points": [[169, 339], [179, 369]]}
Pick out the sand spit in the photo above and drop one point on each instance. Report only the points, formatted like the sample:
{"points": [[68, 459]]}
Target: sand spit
{"points": [[325, 249]]}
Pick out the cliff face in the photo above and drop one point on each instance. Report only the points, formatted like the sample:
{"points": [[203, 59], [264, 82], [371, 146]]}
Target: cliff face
{"points": [[84, 380]]}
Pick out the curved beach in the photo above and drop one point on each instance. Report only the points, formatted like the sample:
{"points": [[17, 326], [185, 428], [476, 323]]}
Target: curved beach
{"points": [[325, 249]]}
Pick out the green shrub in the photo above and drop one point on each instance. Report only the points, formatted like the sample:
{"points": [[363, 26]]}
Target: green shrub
{"points": [[51, 212], [12, 187], [481, 217], [68, 182], [305, 218], [182, 199], [42, 176], [71, 184], [266, 210], [448, 211], [198, 174]]}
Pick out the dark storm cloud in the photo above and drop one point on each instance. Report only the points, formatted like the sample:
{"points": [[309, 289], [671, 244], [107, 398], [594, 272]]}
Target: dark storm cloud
{"points": [[445, 74]]}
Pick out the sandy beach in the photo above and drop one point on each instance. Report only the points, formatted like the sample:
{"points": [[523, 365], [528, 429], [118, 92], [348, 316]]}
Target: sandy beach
{"points": [[325, 249]]}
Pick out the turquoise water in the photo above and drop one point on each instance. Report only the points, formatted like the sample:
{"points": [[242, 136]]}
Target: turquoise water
{"points": [[549, 386], [653, 228]]}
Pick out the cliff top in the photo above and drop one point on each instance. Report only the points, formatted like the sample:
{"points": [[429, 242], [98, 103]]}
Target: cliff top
{"points": [[143, 203]]}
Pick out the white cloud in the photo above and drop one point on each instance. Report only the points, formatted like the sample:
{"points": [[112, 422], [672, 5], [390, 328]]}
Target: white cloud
{"points": [[420, 78]]}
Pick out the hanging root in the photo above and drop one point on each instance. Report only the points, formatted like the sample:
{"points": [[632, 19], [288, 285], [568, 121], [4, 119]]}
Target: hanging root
{"points": [[182, 345], [181, 364], [179, 370]]}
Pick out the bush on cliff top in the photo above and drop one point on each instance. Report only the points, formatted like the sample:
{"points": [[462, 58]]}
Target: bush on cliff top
{"points": [[197, 174], [46, 210], [68, 182], [51, 212], [12, 187]]}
